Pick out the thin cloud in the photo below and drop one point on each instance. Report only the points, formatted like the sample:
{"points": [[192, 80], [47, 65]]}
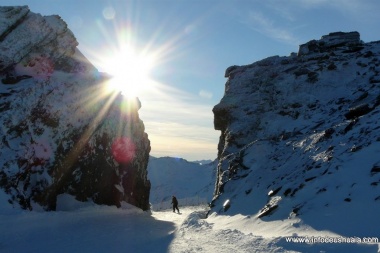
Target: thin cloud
{"points": [[178, 125], [182, 140], [254, 15], [280, 19], [358, 9], [205, 94], [262, 24]]}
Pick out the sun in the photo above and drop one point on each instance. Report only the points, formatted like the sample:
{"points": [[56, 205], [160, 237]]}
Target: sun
{"points": [[129, 70]]}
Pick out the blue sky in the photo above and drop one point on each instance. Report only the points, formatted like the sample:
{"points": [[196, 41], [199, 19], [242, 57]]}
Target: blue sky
{"points": [[192, 42]]}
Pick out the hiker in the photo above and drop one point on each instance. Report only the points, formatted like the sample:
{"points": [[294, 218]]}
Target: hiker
{"points": [[175, 204]]}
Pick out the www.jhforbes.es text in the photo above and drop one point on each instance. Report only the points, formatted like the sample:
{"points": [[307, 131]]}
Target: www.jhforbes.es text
{"points": [[328, 239]]}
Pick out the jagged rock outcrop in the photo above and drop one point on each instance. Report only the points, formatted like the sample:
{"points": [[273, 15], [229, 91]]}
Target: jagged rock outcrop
{"points": [[299, 134], [327, 43], [62, 131]]}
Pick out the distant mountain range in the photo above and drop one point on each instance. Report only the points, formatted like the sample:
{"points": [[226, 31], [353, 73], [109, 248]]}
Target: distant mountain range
{"points": [[186, 180]]}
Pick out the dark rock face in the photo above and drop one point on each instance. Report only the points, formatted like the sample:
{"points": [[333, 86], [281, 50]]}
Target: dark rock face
{"points": [[331, 41], [61, 130], [298, 127]]}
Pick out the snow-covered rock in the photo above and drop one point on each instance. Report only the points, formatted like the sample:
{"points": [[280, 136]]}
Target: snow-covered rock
{"points": [[62, 132], [300, 137], [327, 42]]}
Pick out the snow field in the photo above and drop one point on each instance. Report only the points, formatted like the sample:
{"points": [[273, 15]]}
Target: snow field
{"points": [[85, 227]]}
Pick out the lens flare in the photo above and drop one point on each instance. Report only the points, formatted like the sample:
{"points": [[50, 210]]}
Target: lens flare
{"points": [[131, 60], [123, 150]]}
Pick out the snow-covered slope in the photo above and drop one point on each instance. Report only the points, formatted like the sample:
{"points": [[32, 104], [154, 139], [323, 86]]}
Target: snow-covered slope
{"points": [[176, 176], [85, 227], [61, 130], [300, 138]]}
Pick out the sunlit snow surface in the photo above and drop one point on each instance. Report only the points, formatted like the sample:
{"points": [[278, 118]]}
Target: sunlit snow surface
{"points": [[84, 227]]}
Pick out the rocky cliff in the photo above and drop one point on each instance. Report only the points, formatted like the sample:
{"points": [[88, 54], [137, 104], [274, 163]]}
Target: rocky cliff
{"points": [[300, 136], [61, 130]]}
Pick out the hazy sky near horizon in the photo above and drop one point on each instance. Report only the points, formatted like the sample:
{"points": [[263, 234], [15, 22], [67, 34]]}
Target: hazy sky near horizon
{"points": [[192, 42]]}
